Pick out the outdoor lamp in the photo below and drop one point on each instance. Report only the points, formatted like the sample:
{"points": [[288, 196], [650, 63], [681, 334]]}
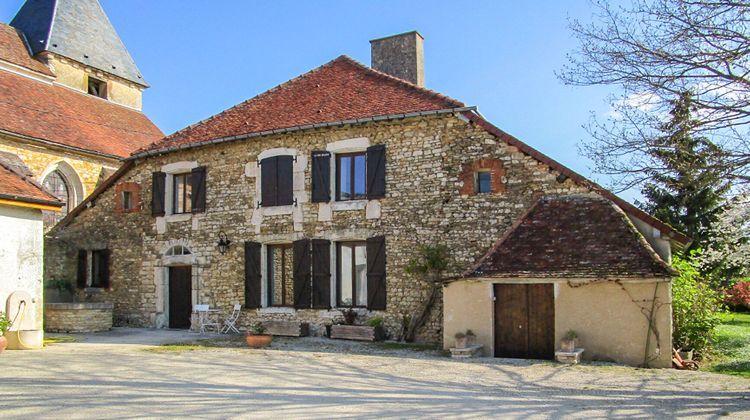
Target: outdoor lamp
{"points": [[223, 243]]}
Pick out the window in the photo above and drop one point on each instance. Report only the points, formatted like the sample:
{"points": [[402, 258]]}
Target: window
{"points": [[97, 87], [280, 281], [127, 200], [99, 273], [93, 268], [177, 250], [276, 181], [351, 171], [351, 264], [483, 184], [56, 185], [183, 194]]}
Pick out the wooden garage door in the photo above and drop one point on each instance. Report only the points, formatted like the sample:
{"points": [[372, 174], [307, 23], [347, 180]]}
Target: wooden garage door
{"points": [[525, 321]]}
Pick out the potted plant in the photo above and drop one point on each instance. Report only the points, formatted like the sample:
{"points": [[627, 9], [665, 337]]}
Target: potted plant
{"points": [[4, 325], [350, 315], [471, 339], [256, 336], [461, 341], [569, 342]]}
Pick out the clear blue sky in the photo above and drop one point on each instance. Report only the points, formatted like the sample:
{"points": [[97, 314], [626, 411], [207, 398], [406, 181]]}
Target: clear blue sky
{"points": [[201, 57]]}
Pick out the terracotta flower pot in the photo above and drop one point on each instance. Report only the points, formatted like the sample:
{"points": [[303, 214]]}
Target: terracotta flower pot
{"points": [[258, 341], [3, 343]]}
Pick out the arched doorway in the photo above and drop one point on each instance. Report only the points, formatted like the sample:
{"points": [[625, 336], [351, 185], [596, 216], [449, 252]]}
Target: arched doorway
{"points": [[56, 184]]}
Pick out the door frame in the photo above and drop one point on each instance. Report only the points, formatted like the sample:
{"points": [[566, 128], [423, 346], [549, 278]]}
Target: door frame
{"points": [[161, 279]]}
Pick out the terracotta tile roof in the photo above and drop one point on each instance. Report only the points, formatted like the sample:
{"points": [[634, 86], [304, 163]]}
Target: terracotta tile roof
{"points": [[15, 50], [342, 89], [70, 118], [576, 236], [18, 187]]}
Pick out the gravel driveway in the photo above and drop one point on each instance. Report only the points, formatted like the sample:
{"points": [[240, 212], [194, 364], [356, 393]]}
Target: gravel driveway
{"points": [[118, 374]]}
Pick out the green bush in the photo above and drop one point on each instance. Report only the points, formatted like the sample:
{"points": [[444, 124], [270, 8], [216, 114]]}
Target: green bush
{"points": [[4, 323], [695, 308]]}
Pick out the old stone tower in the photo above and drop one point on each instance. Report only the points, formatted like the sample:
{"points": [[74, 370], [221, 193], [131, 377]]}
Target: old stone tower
{"points": [[70, 98]]}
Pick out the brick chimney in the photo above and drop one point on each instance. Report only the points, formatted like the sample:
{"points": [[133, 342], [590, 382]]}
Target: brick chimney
{"points": [[400, 56]]}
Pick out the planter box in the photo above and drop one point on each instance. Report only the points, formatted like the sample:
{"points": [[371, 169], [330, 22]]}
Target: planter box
{"points": [[287, 328], [357, 332]]}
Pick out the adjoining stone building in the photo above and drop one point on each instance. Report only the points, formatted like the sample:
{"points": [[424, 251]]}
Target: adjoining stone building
{"points": [[324, 186], [70, 98]]}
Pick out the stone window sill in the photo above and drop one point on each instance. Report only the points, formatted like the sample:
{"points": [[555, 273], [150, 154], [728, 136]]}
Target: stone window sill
{"points": [[277, 310], [277, 210], [349, 205], [181, 217]]}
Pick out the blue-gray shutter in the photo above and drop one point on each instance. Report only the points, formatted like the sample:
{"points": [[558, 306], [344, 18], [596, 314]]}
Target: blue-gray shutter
{"points": [[301, 276], [321, 177], [252, 275], [321, 273], [198, 189], [158, 190], [376, 287], [268, 182], [284, 181], [376, 171]]}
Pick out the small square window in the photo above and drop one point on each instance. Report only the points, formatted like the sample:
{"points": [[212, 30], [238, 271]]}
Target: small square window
{"points": [[127, 200], [97, 87], [484, 180]]}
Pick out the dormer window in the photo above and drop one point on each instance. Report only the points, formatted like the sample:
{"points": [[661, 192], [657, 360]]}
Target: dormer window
{"points": [[97, 87]]}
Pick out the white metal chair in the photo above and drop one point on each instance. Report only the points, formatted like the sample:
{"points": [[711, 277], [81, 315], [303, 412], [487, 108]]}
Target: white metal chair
{"points": [[205, 320], [229, 322]]}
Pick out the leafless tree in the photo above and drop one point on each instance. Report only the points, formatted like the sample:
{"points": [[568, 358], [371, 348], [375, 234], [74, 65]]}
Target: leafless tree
{"points": [[653, 51]]}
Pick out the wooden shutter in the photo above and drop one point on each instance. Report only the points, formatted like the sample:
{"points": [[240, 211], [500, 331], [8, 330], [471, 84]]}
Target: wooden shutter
{"points": [[284, 180], [252, 275], [321, 274], [82, 269], [104, 268], [376, 171], [321, 177], [268, 182], [158, 189], [198, 186], [376, 290], [302, 290]]}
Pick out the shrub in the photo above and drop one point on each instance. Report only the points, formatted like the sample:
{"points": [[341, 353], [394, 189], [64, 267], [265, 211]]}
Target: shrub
{"points": [[694, 308], [4, 323], [258, 329], [738, 296], [375, 322]]}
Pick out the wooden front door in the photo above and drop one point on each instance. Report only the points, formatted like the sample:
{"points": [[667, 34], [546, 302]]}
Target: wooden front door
{"points": [[525, 321], [180, 297]]}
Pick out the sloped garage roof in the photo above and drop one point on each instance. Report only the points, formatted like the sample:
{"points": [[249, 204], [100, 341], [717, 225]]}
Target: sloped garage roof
{"points": [[574, 236]]}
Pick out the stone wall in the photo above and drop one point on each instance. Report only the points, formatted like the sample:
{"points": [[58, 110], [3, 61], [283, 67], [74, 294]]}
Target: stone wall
{"points": [[77, 317], [41, 160], [424, 204], [75, 75]]}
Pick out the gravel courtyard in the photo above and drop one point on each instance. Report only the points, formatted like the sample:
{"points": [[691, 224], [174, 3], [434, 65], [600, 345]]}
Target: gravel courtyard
{"points": [[122, 374]]}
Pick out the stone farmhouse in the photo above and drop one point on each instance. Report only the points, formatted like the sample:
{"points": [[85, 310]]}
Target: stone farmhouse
{"points": [[70, 98], [312, 198]]}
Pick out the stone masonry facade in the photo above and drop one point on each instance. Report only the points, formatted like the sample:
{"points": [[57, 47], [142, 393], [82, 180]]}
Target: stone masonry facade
{"points": [[427, 202]]}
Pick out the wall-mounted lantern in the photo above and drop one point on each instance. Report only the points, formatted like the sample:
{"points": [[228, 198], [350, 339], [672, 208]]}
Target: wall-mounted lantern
{"points": [[223, 243]]}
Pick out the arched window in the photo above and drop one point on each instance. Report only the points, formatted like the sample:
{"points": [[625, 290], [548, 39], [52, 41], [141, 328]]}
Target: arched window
{"points": [[177, 250], [56, 185]]}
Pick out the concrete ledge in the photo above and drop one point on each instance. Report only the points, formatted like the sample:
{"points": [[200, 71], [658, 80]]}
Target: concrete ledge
{"points": [[569, 357], [466, 352], [79, 305]]}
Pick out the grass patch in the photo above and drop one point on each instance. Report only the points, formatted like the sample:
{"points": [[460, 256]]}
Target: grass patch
{"points": [[392, 345], [222, 342], [58, 339], [731, 354]]}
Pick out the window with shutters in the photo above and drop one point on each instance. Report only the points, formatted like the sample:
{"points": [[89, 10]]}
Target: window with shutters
{"points": [[276, 177], [351, 172], [351, 262], [279, 269], [182, 196], [93, 268]]}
